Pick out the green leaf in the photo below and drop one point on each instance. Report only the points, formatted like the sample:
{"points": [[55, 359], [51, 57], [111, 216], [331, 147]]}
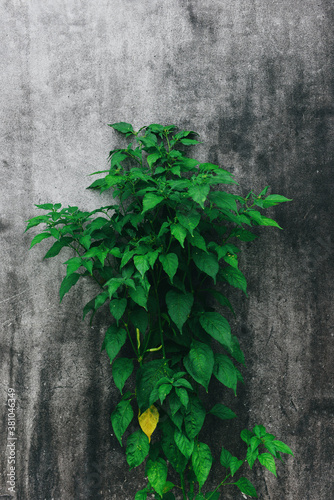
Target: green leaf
{"points": [[179, 233], [189, 220], [170, 264], [38, 238], [139, 318], [235, 278], [121, 371], [244, 235], [157, 474], [67, 284], [246, 487], [268, 461], [177, 460], [212, 495], [141, 494], [235, 465], [137, 448], [163, 391], [224, 370], [122, 127], [45, 206], [139, 296], [196, 240], [142, 264], [282, 447], [199, 363], [184, 444], [225, 458], [151, 159], [274, 199], [183, 395], [224, 200], [73, 265], [199, 193], [194, 417], [259, 431], [147, 377], [121, 418], [206, 262], [100, 299], [117, 308], [252, 456], [218, 327], [261, 220], [222, 412], [189, 142], [150, 201], [201, 462], [113, 341], [246, 436], [57, 246], [179, 306]]}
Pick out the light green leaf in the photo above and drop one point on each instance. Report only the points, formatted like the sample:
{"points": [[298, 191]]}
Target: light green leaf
{"points": [[67, 284], [199, 363], [100, 299], [252, 456], [235, 278], [194, 417], [201, 462], [179, 233], [121, 418], [157, 474], [235, 465], [274, 199], [199, 193], [122, 127], [189, 142], [151, 159], [189, 220], [206, 262], [38, 238], [121, 371], [268, 461], [113, 341], [224, 370], [225, 458], [150, 201], [218, 327], [246, 487], [224, 200], [222, 412], [183, 395], [196, 240], [137, 448], [170, 264], [142, 264], [117, 308], [179, 306], [282, 447], [246, 436], [261, 220], [184, 444], [139, 296], [73, 265], [260, 431]]}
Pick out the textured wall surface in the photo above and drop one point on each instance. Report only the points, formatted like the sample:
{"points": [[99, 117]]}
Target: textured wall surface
{"points": [[255, 79]]}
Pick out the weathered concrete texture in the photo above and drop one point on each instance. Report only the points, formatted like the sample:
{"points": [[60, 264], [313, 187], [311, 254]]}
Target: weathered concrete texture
{"points": [[255, 78]]}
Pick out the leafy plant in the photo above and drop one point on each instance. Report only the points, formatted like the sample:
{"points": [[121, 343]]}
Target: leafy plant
{"points": [[162, 256]]}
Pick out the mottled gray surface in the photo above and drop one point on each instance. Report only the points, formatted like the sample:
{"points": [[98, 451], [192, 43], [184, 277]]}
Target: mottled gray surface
{"points": [[255, 78]]}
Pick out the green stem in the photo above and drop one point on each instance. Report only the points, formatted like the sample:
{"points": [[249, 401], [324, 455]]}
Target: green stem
{"points": [[131, 341], [183, 487], [219, 485]]}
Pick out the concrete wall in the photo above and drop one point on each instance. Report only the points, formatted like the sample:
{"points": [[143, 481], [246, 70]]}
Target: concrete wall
{"points": [[255, 79]]}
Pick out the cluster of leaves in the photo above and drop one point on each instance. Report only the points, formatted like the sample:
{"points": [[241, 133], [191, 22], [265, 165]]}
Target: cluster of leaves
{"points": [[156, 254]]}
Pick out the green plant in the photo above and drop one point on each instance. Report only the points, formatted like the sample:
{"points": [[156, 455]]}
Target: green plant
{"points": [[156, 256]]}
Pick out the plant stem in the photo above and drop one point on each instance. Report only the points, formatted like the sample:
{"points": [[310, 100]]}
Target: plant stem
{"points": [[183, 487]]}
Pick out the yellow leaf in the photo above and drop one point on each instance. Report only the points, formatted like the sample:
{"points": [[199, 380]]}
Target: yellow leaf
{"points": [[148, 421]]}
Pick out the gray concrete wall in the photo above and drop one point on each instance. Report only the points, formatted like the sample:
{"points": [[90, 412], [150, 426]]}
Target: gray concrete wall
{"points": [[255, 79]]}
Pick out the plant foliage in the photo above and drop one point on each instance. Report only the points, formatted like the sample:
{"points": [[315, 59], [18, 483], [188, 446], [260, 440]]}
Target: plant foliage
{"points": [[160, 255]]}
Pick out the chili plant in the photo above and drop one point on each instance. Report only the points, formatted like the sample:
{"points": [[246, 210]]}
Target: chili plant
{"points": [[162, 254]]}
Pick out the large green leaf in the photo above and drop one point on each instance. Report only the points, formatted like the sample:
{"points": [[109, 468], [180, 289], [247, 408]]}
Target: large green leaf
{"points": [[199, 193], [189, 220], [142, 263], [224, 200], [177, 460], [218, 327], [147, 377], [157, 474], [235, 278], [137, 448], [121, 371], [274, 199], [194, 417], [246, 487], [268, 461], [222, 412], [199, 363], [235, 465], [121, 418], [179, 233], [67, 284], [225, 371], [225, 458], [117, 308], [150, 201], [179, 306], [38, 238], [139, 296], [206, 262], [201, 462], [280, 446], [57, 246], [184, 444], [113, 341], [170, 264]]}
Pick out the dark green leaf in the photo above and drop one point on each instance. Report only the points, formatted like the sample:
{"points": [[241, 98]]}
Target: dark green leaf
{"points": [[224, 370], [274, 199], [189, 142], [179, 306], [225, 458], [222, 412], [244, 235], [170, 449], [147, 377], [218, 327], [235, 278], [142, 264], [246, 436], [113, 341], [57, 246], [150, 201], [199, 363], [157, 474], [67, 284], [252, 456], [117, 308], [139, 296], [235, 465], [184, 444], [199, 193], [201, 462], [121, 371], [170, 264], [137, 448], [183, 395], [206, 262], [151, 159], [121, 418], [194, 417], [179, 233], [246, 487], [189, 220], [38, 238]]}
